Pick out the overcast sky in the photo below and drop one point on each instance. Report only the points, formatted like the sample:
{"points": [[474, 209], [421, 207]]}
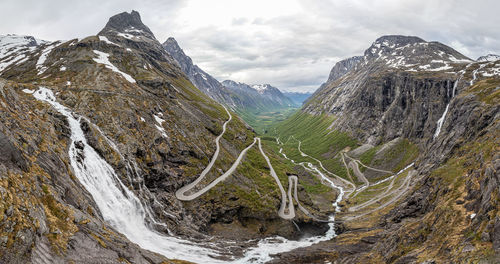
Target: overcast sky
{"points": [[291, 44]]}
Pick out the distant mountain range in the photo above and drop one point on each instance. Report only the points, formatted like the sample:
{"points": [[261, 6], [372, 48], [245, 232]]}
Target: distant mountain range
{"points": [[233, 94], [258, 96]]}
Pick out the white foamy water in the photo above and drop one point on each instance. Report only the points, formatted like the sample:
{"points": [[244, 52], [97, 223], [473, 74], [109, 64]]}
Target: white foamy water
{"points": [[341, 190], [121, 208], [118, 205], [440, 121], [274, 245]]}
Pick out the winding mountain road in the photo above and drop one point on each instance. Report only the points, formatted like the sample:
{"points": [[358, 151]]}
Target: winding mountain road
{"points": [[285, 212], [348, 183], [287, 207], [398, 193], [181, 193], [354, 164], [281, 211], [368, 167], [361, 176]]}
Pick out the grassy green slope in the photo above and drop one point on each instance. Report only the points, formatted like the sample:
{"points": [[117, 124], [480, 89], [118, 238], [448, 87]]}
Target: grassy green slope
{"points": [[262, 119], [324, 144], [317, 140]]}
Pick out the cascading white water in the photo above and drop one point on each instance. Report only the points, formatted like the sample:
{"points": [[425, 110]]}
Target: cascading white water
{"points": [[440, 121], [274, 245], [121, 208], [118, 205]]}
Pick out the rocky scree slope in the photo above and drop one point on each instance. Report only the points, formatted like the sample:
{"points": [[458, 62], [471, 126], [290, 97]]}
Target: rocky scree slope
{"points": [[142, 115], [401, 89]]}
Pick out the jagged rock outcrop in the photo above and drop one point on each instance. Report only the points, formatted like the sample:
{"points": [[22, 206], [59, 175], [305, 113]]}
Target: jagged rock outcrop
{"points": [[126, 24], [342, 67]]}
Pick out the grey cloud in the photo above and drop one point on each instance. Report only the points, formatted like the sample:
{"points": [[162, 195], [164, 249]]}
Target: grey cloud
{"points": [[289, 51]]}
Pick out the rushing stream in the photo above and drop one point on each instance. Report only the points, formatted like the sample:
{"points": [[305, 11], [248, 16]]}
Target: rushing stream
{"points": [[121, 208]]}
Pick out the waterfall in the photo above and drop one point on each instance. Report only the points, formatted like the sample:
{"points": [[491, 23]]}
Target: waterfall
{"points": [[118, 205], [440, 121], [121, 208]]}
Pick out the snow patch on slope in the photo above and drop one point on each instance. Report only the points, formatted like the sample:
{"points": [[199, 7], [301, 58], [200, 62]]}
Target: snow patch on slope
{"points": [[106, 40], [15, 49], [261, 88], [103, 58], [43, 57], [159, 126]]}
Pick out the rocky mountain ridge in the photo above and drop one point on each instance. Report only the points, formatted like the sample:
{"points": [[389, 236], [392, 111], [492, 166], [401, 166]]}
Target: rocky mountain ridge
{"points": [[384, 67], [489, 57], [342, 67]]}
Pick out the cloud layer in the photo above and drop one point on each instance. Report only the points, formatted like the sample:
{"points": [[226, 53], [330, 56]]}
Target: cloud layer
{"points": [[291, 44]]}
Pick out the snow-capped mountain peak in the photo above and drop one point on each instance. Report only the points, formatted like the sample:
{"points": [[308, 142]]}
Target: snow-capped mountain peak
{"points": [[15, 49], [489, 57], [261, 88], [413, 54]]}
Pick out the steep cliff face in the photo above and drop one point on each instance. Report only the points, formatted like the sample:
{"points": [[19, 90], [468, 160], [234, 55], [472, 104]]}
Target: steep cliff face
{"points": [[400, 88], [141, 115], [342, 67], [407, 89]]}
